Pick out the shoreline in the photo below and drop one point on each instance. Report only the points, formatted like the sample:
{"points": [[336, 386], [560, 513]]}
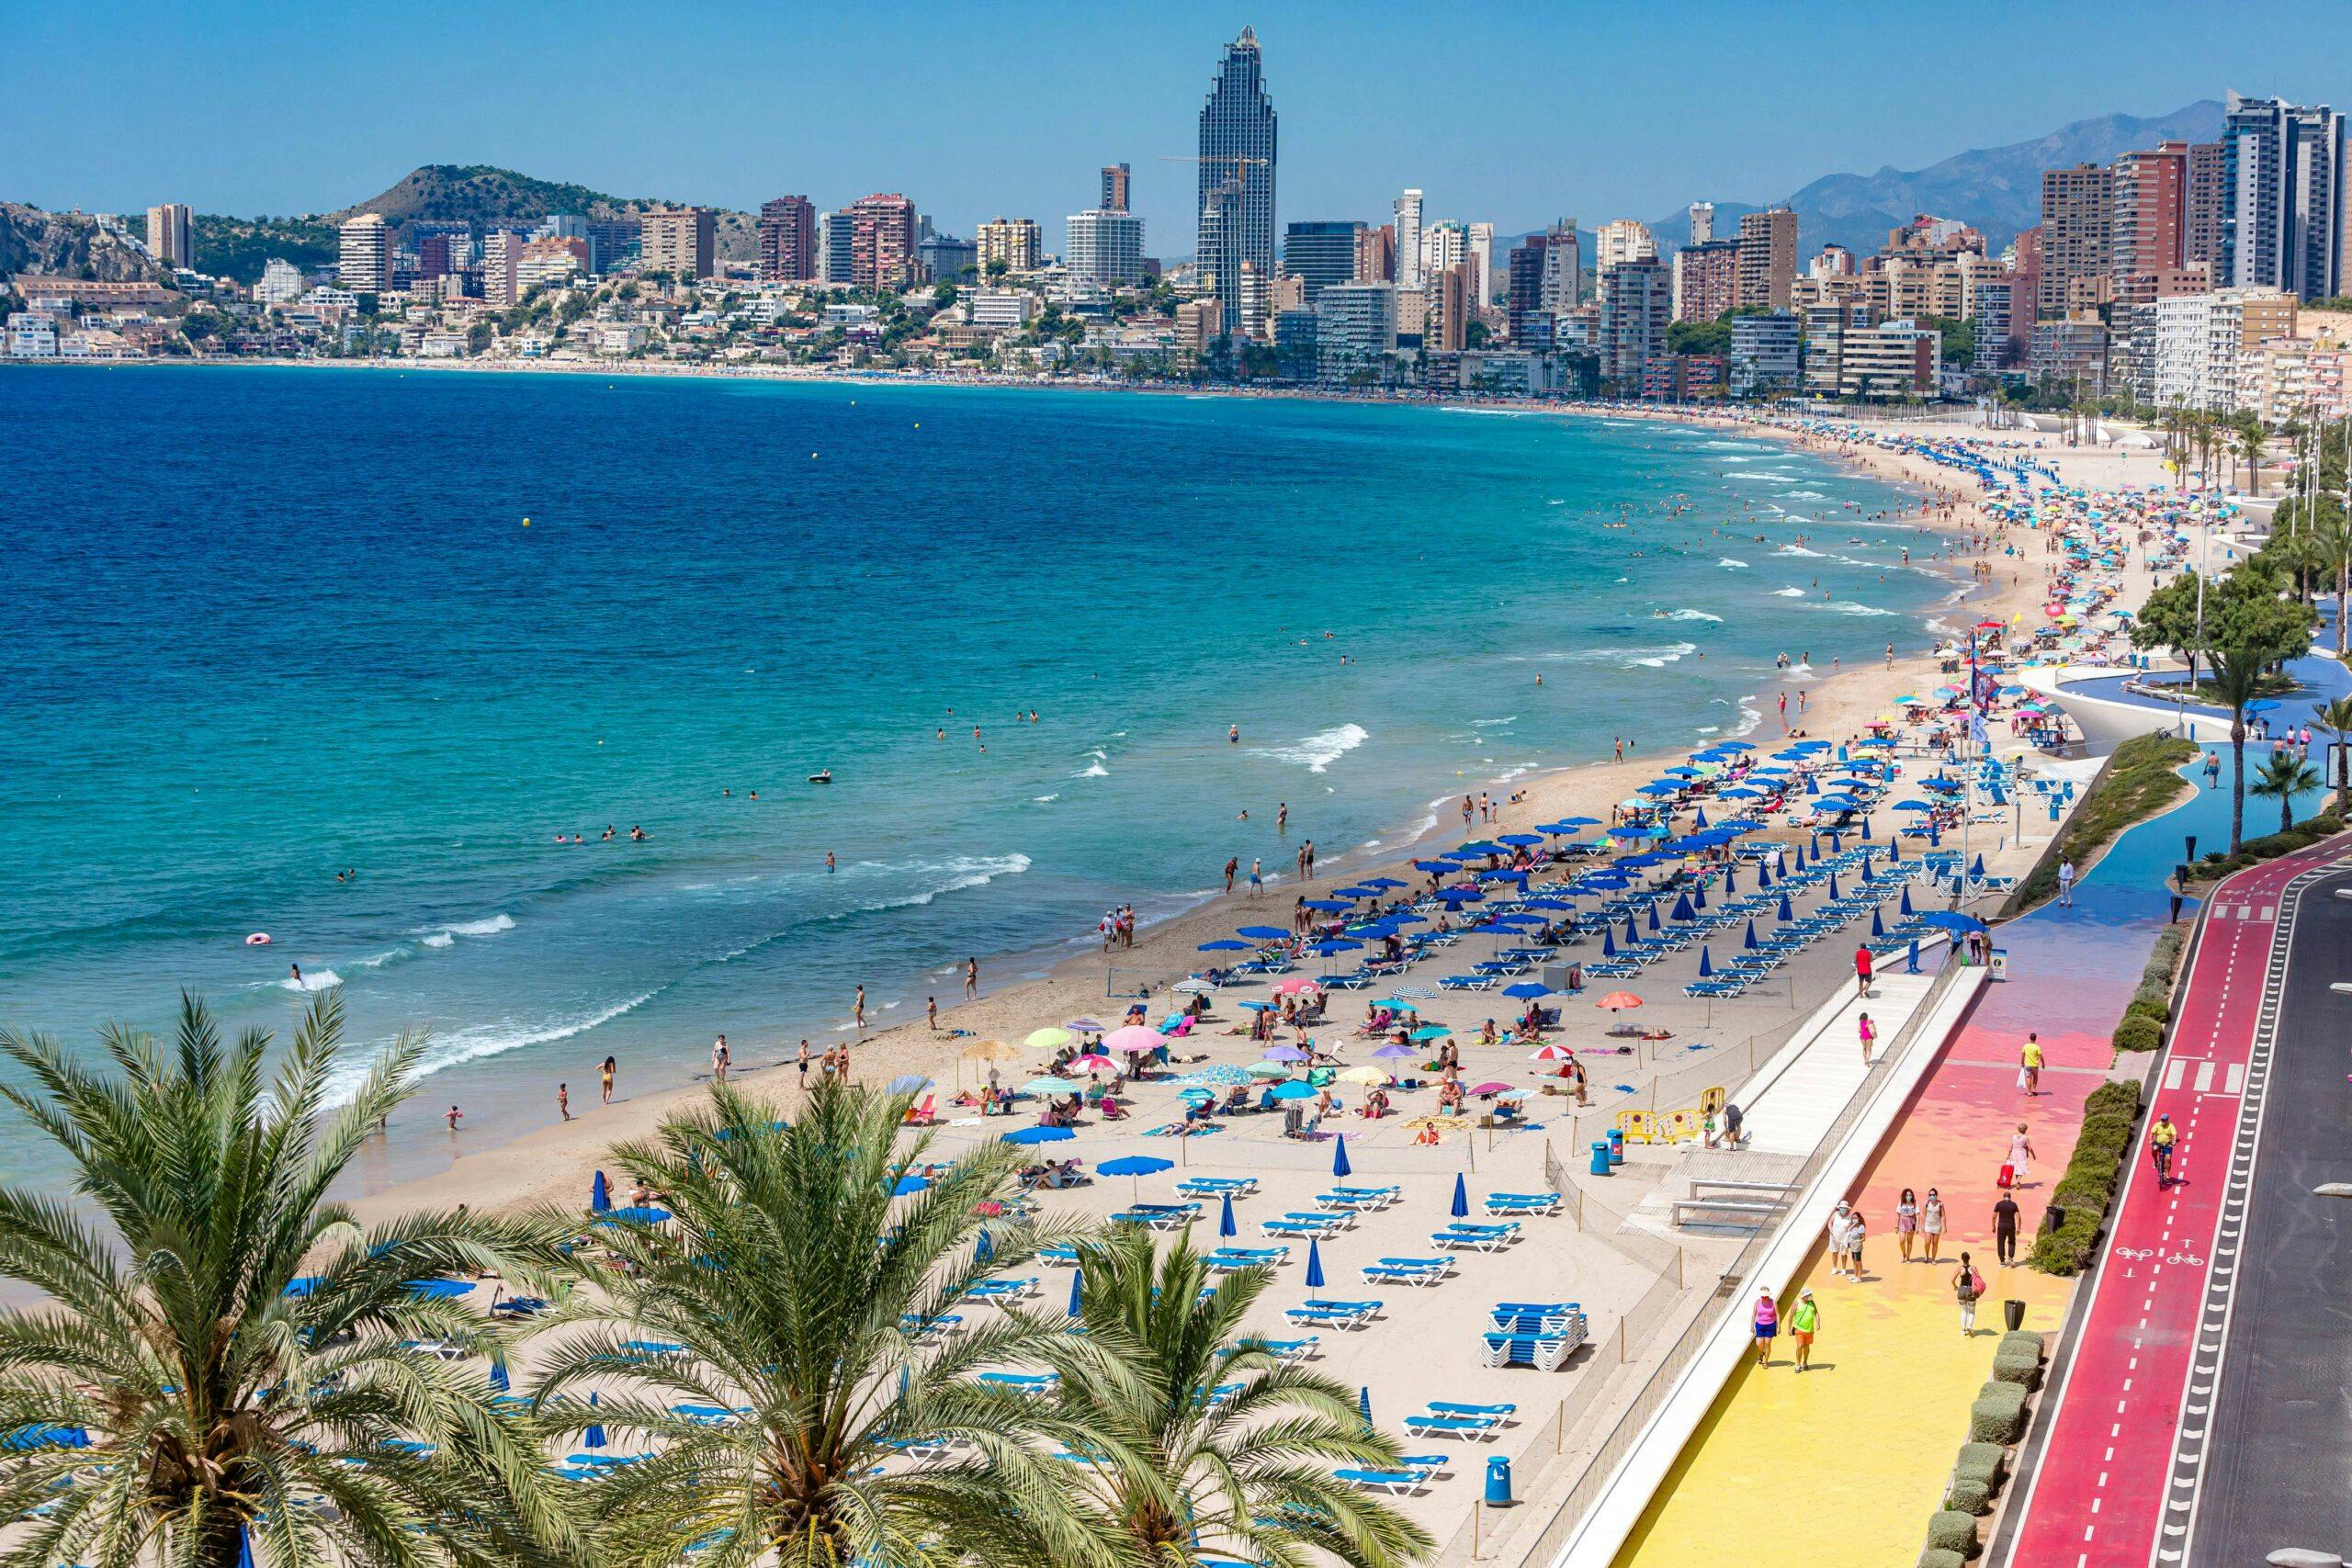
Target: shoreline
{"points": [[1055, 985]]}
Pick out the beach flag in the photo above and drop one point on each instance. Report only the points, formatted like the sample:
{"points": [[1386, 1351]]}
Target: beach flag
{"points": [[1313, 1264], [1225, 1226], [1339, 1166], [1461, 1197]]}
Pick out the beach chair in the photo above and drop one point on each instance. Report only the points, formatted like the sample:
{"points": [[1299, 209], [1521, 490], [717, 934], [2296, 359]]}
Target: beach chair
{"points": [[1419, 1271], [1482, 1238], [1544, 1352], [1233, 1259], [1469, 982], [1059, 1255], [1449, 1408], [1395, 1482], [1358, 1200], [1477, 1428], [1001, 1290], [1290, 1352], [1303, 1227], [930, 1330], [1333, 1314], [1523, 1203], [926, 1115], [1038, 1385], [1218, 1186]]}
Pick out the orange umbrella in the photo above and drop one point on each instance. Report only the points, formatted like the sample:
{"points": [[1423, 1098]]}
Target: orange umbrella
{"points": [[1617, 999]]}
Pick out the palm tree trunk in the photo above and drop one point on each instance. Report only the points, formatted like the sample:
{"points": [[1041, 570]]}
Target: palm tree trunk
{"points": [[2342, 602], [2237, 779]]}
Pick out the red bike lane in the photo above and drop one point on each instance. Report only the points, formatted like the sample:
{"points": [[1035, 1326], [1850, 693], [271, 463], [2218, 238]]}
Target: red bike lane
{"points": [[2107, 1490]]}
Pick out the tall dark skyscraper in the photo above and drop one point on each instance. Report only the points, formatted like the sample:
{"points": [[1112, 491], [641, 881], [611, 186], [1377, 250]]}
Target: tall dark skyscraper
{"points": [[1237, 204]]}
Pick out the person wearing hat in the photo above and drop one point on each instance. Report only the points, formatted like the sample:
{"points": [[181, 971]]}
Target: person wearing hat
{"points": [[1805, 1322], [1767, 1325]]}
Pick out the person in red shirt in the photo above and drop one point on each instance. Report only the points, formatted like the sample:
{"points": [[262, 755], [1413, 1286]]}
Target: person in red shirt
{"points": [[1863, 969]]}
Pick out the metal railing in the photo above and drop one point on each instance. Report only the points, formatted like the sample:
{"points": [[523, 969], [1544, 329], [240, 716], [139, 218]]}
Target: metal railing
{"points": [[1656, 1390]]}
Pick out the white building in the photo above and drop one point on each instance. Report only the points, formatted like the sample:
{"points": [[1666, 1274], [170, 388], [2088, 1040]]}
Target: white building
{"points": [[1764, 353], [1623, 240], [441, 345], [1106, 247], [1894, 359], [849, 313], [1355, 328], [366, 262], [618, 339], [32, 334], [1002, 309], [1482, 259], [281, 283], [2202, 339], [1408, 240], [1444, 245]]}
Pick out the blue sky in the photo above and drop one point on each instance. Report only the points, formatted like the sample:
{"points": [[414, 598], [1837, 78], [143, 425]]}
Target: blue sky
{"points": [[1513, 113]]}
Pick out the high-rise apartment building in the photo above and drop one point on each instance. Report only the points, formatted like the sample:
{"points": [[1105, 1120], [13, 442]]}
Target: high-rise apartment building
{"points": [[2201, 239], [1446, 318], [2148, 228], [1012, 242], [1706, 279], [1375, 253], [2025, 290], [787, 240], [1105, 245], [944, 258], [1320, 253], [1623, 240], [1833, 260], [2286, 198], [882, 239], [366, 265], [1764, 353], [1636, 305], [680, 241], [1482, 265], [1114, 189], [1768, 257], [2078, 239], [170, 234], [1198, 325], [1355, 329], [1542, 283], [1410, 261], [280, 283], [1444, 245], [1236, 150]]}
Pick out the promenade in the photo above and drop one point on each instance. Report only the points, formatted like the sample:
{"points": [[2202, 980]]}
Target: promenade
{"points": [[1844, 1463]]}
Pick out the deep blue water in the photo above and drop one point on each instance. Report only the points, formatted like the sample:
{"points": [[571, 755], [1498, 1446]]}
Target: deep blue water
{"points": [[274, 624]]}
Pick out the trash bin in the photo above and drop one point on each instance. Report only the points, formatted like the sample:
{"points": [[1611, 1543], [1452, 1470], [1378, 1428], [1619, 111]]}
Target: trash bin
{"points": [[2013, 1313], [1616, 1145], [1498, 1481], [1998, 959], [1599, 1157]]}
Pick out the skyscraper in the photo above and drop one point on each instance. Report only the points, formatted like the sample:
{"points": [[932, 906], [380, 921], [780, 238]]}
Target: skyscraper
{"points": [[1635, 308], [2201, 204], [1623, 240], [1236, 150], [1482, 265], [2149, 224], [882, 240], [1114, 189], [1702, 222], [2286, 198], [366, 265], [2078, 239], [1321, 255], [1105, 245], [1015, 242], [680, 241], [170, 235], [787, 240], [1768, 257], [1375, 253], [1408, 240], [1706, 279], [1542, 283]]}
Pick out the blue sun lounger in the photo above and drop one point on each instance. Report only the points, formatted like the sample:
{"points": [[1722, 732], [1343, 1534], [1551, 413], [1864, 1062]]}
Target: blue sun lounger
{"points": [[1422, 1272], [1320, 1227], [1395, 1483], [1218, 1186], [1233, 1259], [1038, 1384], [1523, 1202], [1484, 1238], [1358, 1200], [1333, 1314], [1002, 1289], [1477, 1428]]}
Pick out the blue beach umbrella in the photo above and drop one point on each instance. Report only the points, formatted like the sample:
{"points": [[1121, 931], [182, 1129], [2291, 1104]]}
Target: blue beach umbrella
{"points": [[1878, 926], [593, 1437], [1706, 962], [600, 1195], [498, 1377], [1609, 942], [907, 1186], [1633, 936], [1520, 839], [1866, 869], [1906, 901], [1833, 886], [1040, 1135], [1976, 869], [1763, 876], [244, 1546], [1225, 1226], [1786, 912], [1265, 934], [1136, 1164], [1226, 945], [1292, 1088], [1750, 943], [1526, 990], [1681, 907], [1339, 1166], [1364, 1406], [1461, 1197], [1653, 920], [1076, 1289], [1313, 1264], [1866, 829]]}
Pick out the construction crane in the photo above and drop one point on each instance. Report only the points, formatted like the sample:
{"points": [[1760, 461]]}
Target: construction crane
{"points": [[1241, 166]]}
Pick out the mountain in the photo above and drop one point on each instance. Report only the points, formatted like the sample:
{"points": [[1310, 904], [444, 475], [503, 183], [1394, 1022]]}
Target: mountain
{"points": [[482, 195], [1996, 189], [69, 244]]}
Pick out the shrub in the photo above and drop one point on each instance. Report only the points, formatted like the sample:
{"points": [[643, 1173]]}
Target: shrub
{"points": [[1998, 1413], [1990, 1460], [2018, 1365], [1938, 1557], [2137, 1032], [1953, 1532], [1967, 1497], [2022, 1339], [2155, 1009]]}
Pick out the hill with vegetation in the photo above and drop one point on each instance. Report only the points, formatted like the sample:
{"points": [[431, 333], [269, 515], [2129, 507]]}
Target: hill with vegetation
{"points": [[484, 195], [69, 244]]}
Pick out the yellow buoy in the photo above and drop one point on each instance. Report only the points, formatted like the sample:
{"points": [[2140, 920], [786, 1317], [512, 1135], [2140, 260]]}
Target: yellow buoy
{"points": [[526, 522]]}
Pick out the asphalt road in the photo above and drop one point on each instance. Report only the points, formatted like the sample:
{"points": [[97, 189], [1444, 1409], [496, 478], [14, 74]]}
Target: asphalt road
{"points": [[2279, 1470]]}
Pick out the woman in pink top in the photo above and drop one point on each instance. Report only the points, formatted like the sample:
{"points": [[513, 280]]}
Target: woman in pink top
{"points": [[1869, 1034], [1767, 1325]]}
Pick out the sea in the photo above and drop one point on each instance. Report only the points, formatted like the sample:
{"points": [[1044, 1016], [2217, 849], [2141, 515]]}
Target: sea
{"points": [[458, 636]]}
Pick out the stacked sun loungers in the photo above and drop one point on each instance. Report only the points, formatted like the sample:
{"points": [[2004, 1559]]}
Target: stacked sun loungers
{"points": [[1541, 1335]]}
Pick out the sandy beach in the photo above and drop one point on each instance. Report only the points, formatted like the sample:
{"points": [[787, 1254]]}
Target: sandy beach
{"points": [[554, 1164]]}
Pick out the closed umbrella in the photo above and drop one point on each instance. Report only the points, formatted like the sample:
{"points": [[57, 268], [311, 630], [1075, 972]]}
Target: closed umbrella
{"points": [[1763, 876], [600, 1196], [1609, 942], [1906, 901], [1878, 926], [1314, 1265], [498, 1377], [1750, 943], [1786, 913], [1076, 1289], [593, 1437], [1225, 1226], [1339, 1166], [1461, 1197], [1706, 964]]}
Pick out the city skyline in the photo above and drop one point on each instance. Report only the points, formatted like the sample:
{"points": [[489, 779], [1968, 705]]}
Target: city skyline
{"points": [[78, 133]]}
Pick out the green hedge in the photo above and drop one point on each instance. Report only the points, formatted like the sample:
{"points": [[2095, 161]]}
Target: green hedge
{"points": [[2254, 852], [2090, 1179], [2138, 1032], [2017, 1365], [1997, 1415], [1949, 1531], [1937, 1557], [1981, 1461]]}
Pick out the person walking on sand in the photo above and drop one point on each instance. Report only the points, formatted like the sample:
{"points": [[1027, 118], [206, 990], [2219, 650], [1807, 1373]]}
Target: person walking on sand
{"points": [[971, 978], [2004, 1231], [1257, 878], [719, 1059], [1907, 1223], [931, 1012], [608, 1069], [1863, 970], [857, 1008], [1767, 1325], [1232, 869], [2029, 1065], [1967, 1285], [2020, 1157], [564, 1100], [1805, 1322], [1868, 1031]]}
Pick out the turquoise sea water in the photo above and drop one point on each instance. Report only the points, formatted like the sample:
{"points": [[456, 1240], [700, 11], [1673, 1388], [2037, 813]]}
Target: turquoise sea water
{"points": [[275, 623]]}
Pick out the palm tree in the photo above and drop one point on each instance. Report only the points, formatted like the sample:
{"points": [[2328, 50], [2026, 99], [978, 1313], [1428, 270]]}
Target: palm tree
{"points": [[239, 1354], [2238, 681], [1207, 1446], [2251, 443], [822, 1312], [2282, 778], [2337, 719]]}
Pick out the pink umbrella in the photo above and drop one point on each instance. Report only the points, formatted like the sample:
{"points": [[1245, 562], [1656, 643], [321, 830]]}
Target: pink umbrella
{"points": [[1295, 987], [1093, 1061], [1490, 1088], [1133, 1037]]}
